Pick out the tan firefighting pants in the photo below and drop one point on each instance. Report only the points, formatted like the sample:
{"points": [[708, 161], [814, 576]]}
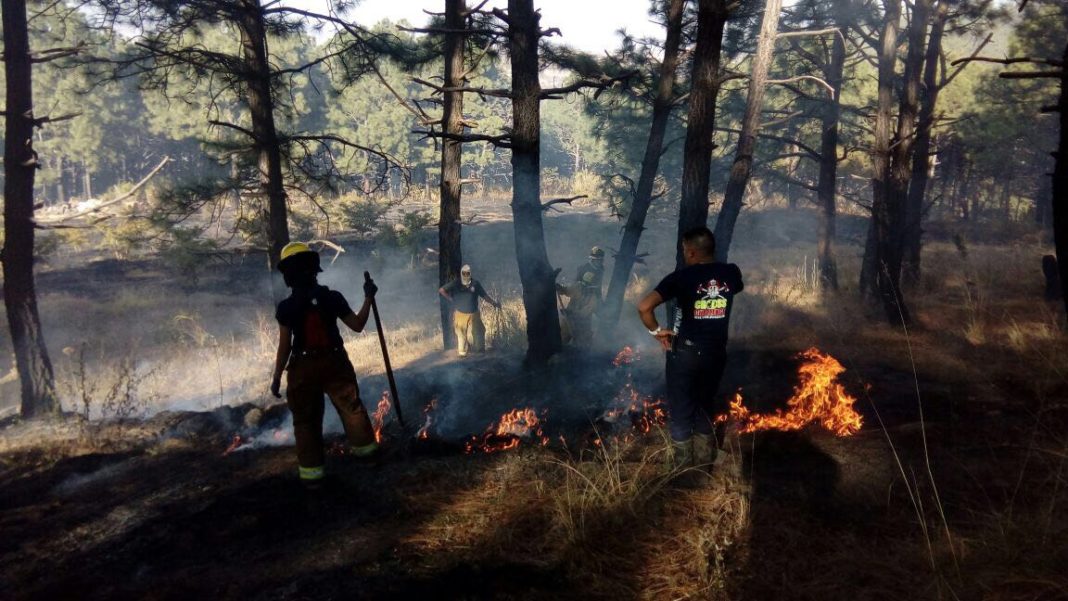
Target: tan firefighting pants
{"points": [[580, 326], [470, 332], [307, 379]]}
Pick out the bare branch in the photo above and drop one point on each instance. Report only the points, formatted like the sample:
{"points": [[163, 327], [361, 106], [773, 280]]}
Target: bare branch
{"points": [[974, 55], [106, 204], [550, 205], [247, 132], [43, 120], [1053, 62], [501, 141], [827, 86], [497, 92], [1031, 74]]}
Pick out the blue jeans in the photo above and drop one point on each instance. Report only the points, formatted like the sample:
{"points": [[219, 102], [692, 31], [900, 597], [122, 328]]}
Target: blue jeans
{"points": [[692, 382]]}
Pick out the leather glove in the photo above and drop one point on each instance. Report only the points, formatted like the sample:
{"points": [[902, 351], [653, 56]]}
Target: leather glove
{"points": [[276, 385], [370, 289]]}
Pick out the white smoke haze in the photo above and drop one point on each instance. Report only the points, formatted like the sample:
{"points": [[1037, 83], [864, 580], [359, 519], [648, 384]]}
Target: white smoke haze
{"points": [[135, 331]]}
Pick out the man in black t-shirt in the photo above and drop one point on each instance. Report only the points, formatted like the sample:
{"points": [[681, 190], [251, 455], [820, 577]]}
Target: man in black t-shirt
{"points": [[696, 346], [466, 318]]}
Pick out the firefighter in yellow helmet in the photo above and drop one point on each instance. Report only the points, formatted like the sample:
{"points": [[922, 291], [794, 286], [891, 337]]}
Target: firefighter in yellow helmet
{"points": [[585, 298], [311, 351]]}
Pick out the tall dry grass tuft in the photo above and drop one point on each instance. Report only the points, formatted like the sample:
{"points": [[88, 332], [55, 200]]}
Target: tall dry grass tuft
{"points": [[613, 482], [506, 327]]}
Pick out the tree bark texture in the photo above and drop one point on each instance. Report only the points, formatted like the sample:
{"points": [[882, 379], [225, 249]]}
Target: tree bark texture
{"points": [[266, 143], [701, 118], [827, 186], [37, 382], [1060, 181], [742, 167], [535, 272], [921, 152], [881, 269], [654, 146], [450, 257]]}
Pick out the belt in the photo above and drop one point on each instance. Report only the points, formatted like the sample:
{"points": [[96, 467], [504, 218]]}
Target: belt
{"points": [[685, 344], [318, 352]]}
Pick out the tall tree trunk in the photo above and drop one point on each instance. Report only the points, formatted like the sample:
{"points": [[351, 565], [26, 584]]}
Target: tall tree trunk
{"points": [[1060, 181], [61, 192], [38, 388], [827, 186], [450, 257], [882, 262], [535, 272], [87, 182], [921, 158], [742, 167], [654, 146], [701, 119], [261, 109]]}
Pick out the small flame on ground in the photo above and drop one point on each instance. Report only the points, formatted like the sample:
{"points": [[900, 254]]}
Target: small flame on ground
{"points": [[626, 356], [507, 432], [236, 443], [819, 398], [379, 416], [424, 431]]}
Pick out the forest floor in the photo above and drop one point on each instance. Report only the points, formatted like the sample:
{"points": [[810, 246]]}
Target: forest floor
{"points": [[955, 488]]}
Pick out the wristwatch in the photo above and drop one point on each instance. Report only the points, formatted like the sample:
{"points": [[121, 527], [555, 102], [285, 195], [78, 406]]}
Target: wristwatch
{"points": [[654, 332]]}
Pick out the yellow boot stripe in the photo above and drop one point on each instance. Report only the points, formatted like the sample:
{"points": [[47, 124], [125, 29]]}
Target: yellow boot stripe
{"points": [[311, 473], [365, 450]]}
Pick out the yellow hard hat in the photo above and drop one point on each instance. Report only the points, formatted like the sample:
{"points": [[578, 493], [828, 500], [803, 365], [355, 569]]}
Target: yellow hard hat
{"points": [[293, 249]]}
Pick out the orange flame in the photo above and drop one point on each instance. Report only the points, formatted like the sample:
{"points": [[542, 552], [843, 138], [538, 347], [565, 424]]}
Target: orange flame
{"points": [[818, 398], [379, 416], [626, 356], [424, 432], [235, 443], [507, 432]]}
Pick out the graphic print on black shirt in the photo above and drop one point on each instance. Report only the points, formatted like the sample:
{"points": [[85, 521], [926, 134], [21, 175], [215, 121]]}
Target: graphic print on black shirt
{"points": [[705, 296]]}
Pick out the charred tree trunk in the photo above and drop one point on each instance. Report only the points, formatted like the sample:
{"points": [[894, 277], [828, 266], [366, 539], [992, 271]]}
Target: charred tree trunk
{"points": [[38, 389], [881, 270], [1060, 180], [535, 272], [743, 159], [701, 120], [654, 146], [266, 143], [450, 257], [827, 187], [921, 158]]}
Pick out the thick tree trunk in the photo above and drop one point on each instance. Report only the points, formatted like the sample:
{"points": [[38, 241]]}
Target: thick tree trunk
{"points": [[36, 378], [1060, 181], [742, 167], [535, 272], [701, 120], [266, 143], [827, 187], [450, 257], [632, 232], [881, 269], [921, 158]]}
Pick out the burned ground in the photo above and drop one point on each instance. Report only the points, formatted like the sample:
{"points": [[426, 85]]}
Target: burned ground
{"points": [[954, 488]]}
